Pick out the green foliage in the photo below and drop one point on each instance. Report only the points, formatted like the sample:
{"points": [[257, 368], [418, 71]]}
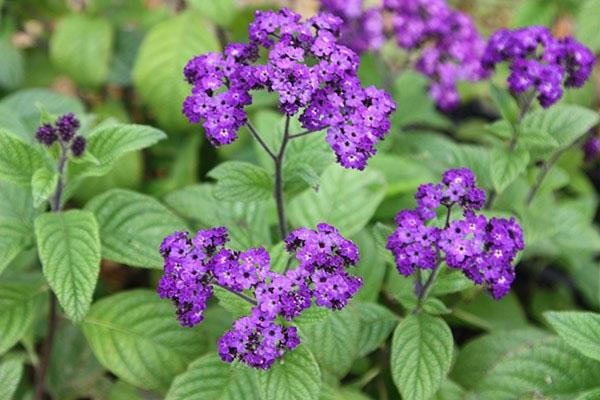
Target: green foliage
{"points": [[218, 12], [81, 46], [132, 227], [158, 70], [241, 181], [509, 109], [421, 355], [376, 324], [209, 378], [506, 166], [297, 378], [43, 185], [11, 65], [69, 249], [11, 370], [579, 329], [346, 199], [587, 24], [18, 160], [134, 335]]}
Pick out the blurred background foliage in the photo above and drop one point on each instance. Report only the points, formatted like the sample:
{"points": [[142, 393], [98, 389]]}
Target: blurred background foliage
{"points": [[123, 60]]}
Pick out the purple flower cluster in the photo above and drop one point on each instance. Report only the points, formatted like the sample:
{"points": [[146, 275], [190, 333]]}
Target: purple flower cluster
{"points": [[540, 62], [483, 249], [193, 266], [313, 75], [591, 148], [451, 47], [64, 131], [362, 29]]}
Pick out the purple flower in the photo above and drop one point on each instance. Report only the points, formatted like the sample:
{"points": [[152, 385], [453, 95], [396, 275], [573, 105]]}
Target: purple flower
{"points": [[591, 148], [314, 76], [450, 45], [63, 130], [46, 134], [483, 249], [66, 126], [539, 62], [78, 146]]}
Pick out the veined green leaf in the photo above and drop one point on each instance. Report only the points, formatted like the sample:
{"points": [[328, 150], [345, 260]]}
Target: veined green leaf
{"points": [[43, 185], [18, 160], [241, 181], [69, 249], [579, 329], [376, 324], [10, 375], [296, 377], [506, 166]]}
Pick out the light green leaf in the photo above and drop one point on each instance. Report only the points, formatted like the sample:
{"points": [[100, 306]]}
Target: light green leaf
{"points": [[586, 25], [81, 46], [534, 140], [220, 12], [579, 329], [132, 227], [158, 70], [108, 143], [347, 199], [18, 305], [210, 378], [341, 393], [333, 341], [486, 313], [376, 324], [371, 267], [296, 377], [10, 375], [421, 355], [565, 123], [69, 249], [43, 185], [247, 222], [18, 161], [450, 391], [593, 394], [238, 180], [232, 303], [402, 173], [135, 335], [509, 109], [12, 68], [506, 166]]}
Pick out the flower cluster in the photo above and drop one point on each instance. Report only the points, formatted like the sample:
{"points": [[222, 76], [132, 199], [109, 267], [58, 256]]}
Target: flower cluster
{"points": [[314, 76], [540, 62], [451, 47], [362, 29], [64, 131], [482, 248], [591, 148], [193, 266]]}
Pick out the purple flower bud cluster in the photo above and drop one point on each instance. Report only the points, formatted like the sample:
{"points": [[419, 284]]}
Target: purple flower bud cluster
{"points": [[482, 248], [362, 29], [193, 266], [314, 76], [450, 45], [64, 131], [591, 148], [540, 62]]}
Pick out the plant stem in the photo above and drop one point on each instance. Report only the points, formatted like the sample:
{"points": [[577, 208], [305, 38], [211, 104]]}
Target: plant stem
{"points": [[260, 140], [297, 135], [278, 192], [55, 206], [426, 288], [546, 167], [240, 295]]}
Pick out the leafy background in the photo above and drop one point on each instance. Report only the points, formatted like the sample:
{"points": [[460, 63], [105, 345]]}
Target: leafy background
{"points": [[117, 64]]}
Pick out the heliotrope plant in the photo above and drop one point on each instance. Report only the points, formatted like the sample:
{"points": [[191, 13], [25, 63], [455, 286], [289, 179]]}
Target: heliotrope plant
{"points": [[483, 249], [193, 266]]}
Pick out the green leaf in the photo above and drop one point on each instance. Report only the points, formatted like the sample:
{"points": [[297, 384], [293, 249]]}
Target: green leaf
{"points": [[81, 46], [565, 123], [10, 375], [135, 335], [333, 341], [232, 303], [371, 267], [341, 393], [238, 180], [74, 372], [69, 249], [19, 302], [486, 313], [296, 377], [18, 160], [210, 378], [509, 109], [506, 166], [403, 174], [593, 394], [132, 227], [158, 70], [534, 140], [347, 199], [247, 222], [549, 368], [421, 355], [12, 65], [376, 324], [43, 185], [108, 143], [579, 329], [450, 391], [586, 25], [219, 12]]}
